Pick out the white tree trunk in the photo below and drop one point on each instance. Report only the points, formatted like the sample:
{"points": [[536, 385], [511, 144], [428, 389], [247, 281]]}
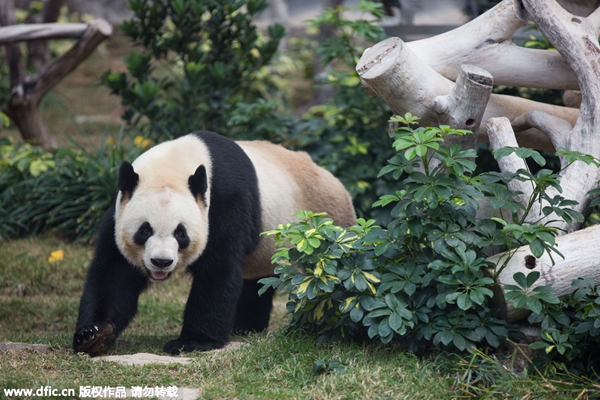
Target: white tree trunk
{"points": [[486, 43], [391, 70], [581, 261]]}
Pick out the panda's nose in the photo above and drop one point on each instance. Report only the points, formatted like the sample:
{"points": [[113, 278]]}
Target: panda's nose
{"points": [[161, 262]]}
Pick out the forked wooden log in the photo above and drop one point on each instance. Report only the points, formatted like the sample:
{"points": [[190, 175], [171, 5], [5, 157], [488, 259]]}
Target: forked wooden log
{"points": [[28, 90], [487, 43], [406, 83], [29, 32], [581, 261]]}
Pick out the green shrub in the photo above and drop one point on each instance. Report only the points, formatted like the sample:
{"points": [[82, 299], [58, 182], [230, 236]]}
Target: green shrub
{"points": [[199, 59], [174, 83], [570, 337], [424, 280], [349, 135], [18, 162], [67, 191]]}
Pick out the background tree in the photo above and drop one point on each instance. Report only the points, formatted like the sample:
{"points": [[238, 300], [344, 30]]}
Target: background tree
{"points": [[28, 86], [199, 61]]}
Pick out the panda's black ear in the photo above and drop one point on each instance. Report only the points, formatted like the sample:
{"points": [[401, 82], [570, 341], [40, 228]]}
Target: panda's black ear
{"points": [[198, 183], [128, 179]]}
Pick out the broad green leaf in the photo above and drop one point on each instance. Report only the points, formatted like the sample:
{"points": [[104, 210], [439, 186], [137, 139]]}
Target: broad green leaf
{"points": [[464, 301], [303, 287], [532, 277], [395, 322], [477, 296], [319, 312], [520, 279], [347, 303], [459, 341], [371, 277], [534, 305], [537, 247], [356, 313]]}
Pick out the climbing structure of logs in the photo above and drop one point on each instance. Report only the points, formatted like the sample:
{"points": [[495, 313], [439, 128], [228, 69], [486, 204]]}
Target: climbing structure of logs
{"points": [[447, 79]]}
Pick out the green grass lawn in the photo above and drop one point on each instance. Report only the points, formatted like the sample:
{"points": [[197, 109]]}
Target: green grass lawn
{"points": [[38, 304]]}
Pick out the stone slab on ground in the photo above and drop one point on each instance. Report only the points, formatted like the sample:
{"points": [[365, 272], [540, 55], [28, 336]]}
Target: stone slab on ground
{"points": [[148, 358], [37, 348], [144, 358]]}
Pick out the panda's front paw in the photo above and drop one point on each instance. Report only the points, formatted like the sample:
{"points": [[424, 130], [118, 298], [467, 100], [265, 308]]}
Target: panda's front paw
{"points": [[92, 338], [180, 345]]}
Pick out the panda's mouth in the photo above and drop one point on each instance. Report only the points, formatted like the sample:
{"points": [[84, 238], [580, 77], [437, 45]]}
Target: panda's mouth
{"points": [[159, 275]]}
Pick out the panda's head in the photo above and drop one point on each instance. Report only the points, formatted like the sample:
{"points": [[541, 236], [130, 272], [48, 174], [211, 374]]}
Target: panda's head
{"points": [[161, 219]]}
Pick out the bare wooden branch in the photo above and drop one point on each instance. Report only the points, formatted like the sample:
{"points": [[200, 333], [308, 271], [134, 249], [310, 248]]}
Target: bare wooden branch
{"points": [[486, 43], [14, 57], [464, 106], [521, 12], [97, 31], [407, 84], [577, 41], [29, 32], [557, 129], [401, 79], [27, 92], [581, 259], [572, 98], [501, 135], [594, 19], [417, 77], [579, 7], [38, 50]]}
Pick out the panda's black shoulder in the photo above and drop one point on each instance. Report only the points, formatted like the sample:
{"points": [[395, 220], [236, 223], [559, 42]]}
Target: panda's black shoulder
{"points": [[232, 169], [219, 146], [234, 197]]}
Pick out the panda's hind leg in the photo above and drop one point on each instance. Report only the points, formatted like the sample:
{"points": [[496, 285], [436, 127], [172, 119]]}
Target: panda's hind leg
{"points": [[253, 311]]}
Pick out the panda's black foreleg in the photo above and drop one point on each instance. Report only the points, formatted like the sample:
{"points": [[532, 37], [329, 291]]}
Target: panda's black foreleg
{"points": [[253, 311], [110, 295], [210, 309]]}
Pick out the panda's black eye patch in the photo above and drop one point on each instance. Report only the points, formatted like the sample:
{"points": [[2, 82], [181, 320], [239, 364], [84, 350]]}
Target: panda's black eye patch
{"points": [[143, 234], [181, 236]]}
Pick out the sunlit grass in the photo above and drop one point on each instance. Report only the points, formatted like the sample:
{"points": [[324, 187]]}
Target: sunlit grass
{"points": [[39, 301]]}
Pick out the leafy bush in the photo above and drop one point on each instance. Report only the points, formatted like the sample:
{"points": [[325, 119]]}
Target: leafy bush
{"points": [[67, 191], [17, 163], [349, 134], [199, 59], [570, 327], [424, 280], [182, 77]]}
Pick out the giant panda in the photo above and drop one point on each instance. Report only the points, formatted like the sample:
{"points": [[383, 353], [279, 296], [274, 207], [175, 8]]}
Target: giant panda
{"points": [[200, 202]]}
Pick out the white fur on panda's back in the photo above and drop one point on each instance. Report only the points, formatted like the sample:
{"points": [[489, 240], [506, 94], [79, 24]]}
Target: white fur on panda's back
{"points": [[278, 188], [290, 181]]}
